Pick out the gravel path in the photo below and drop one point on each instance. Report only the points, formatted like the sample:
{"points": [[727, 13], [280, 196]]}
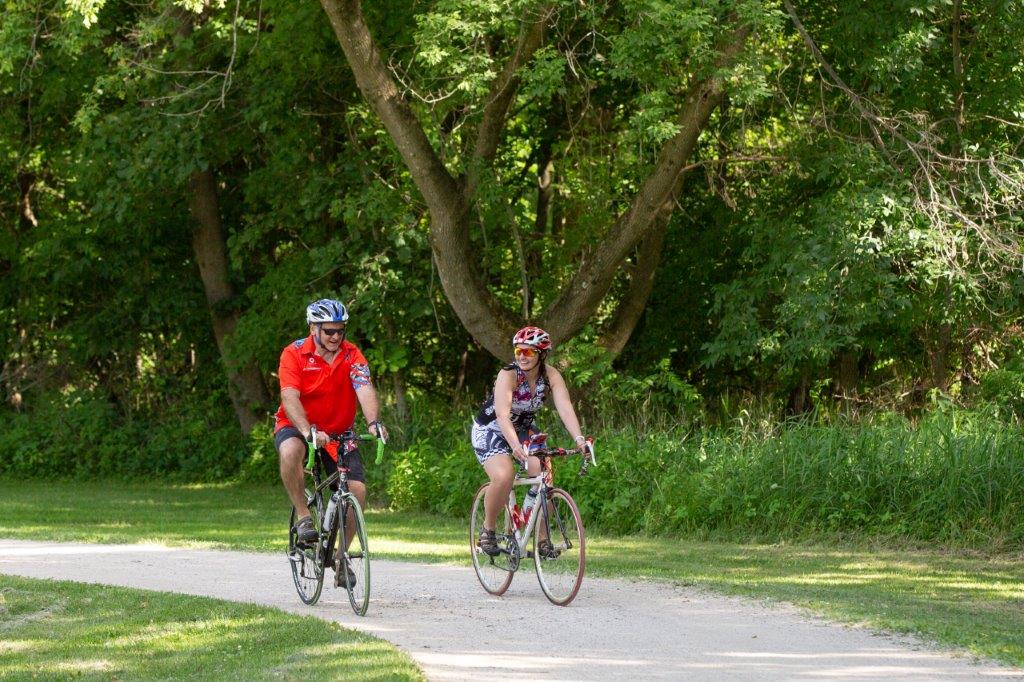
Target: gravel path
{"points": [[439, 614]]}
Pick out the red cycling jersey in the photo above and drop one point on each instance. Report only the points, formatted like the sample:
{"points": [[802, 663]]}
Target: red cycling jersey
{"points": [[327, 391]]}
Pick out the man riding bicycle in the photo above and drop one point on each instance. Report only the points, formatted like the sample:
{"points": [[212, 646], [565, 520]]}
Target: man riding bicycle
{"points": [[322, 377]]}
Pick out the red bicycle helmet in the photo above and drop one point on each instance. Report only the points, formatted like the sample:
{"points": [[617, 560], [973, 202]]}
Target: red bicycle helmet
{"points": [[532, 336]]}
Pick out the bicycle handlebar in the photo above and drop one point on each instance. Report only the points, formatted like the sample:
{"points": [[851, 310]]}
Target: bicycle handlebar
{"points": [[587, 451], [348, 436]]}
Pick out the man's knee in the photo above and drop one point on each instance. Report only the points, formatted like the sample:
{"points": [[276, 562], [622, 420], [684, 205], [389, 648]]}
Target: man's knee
{"points": [[358, 488], [292, 451]]}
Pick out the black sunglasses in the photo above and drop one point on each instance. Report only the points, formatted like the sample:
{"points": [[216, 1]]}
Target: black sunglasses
{"points": [[333, 332]]}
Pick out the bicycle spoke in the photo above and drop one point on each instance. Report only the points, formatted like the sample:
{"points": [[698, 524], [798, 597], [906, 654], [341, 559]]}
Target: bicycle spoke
{"points": [[494, 572], [560, 565], [306, 562], [356, 558]]}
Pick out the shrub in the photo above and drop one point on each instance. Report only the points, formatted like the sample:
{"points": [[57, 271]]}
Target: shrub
{"points": [[955, 477], [1005, 388], [85, 436]]}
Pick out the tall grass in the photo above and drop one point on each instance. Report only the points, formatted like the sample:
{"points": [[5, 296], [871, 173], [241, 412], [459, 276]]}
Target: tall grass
{"points": [[955, 477]]}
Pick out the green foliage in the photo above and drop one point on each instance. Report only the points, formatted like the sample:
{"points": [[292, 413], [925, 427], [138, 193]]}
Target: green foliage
{"points": [[1004, 387], [436, 477], [802, 246], [657, 398], [83, 436], [954, 478], [261, 462]]}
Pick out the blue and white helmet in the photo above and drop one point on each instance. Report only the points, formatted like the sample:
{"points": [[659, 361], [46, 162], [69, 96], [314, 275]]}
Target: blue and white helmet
{"points": [[326, 310]]}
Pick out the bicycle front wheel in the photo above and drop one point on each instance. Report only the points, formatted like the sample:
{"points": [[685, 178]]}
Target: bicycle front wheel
{"points": [[356, 558], [559, 548], [494, 572], [307, 561]]}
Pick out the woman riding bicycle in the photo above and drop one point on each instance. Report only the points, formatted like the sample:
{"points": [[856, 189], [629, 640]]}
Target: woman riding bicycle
{"points": [[505, 421]]}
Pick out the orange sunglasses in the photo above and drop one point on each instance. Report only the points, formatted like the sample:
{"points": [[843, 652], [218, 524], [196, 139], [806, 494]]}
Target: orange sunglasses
{"points": [[524, 352]]}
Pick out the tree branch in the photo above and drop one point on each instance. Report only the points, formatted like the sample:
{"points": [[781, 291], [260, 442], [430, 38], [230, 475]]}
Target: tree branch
{"points": [[499, 99], [633, 304], [936, 178], [377, 84], [570, 311], [483, 315]]}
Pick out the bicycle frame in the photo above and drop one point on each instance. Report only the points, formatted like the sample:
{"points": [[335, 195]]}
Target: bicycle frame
{"points": [[522, 528], [522, 535], [326, 541], [339, 520], [340, 476]]}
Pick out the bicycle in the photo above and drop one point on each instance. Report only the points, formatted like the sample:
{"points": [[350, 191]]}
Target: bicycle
{"points": [[335, 520], [559, 567]]}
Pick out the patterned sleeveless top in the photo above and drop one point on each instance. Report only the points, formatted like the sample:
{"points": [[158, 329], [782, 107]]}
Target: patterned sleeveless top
{"points": [[524, 403]]}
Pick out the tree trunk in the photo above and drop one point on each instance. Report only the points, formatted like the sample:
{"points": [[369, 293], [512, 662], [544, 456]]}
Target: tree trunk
{"points": [[800, 396], [12, 365], [967, 359], [845, 375], [401, 404], [476, 373], [249, 395], [479, 310], [534, 263], [648, 257], [938, 357], [26, 215], [397, 377], [570, 311]]}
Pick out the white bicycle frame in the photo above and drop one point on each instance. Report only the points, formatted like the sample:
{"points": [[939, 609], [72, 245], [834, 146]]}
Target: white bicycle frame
{"points": [[543, 486], [523, 535]]}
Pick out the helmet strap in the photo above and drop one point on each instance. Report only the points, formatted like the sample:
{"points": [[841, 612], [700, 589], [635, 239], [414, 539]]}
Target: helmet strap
{"points": [[319, 330]]}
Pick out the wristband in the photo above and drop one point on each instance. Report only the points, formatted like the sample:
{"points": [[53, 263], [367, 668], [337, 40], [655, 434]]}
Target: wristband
{"points": [[581, 439]]}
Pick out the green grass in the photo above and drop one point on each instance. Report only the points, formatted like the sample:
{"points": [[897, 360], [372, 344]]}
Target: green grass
{"points": [[218, 516], [969, 600], [58, 630]]}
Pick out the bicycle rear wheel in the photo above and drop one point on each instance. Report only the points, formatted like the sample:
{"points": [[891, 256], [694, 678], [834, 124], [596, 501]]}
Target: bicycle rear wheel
{"points": [[494, 572], [560, 572], [357, 556], [307, 561]]}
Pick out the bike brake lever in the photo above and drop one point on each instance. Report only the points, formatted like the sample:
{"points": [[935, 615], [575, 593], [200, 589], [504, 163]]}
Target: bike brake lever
{"points": [[311, 448]]}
